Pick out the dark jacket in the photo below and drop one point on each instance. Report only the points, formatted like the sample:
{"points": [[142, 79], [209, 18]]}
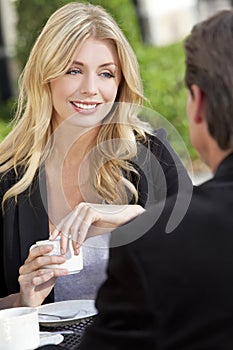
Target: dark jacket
{"points": [[26, 222], [172, 291]]}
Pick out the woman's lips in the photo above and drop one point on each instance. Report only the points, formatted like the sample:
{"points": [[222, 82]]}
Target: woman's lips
{"points": [[85, 107]]}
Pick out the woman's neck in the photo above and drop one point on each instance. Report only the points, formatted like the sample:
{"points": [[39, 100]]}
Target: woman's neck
{"points": [[71, 144], [67, 171]]}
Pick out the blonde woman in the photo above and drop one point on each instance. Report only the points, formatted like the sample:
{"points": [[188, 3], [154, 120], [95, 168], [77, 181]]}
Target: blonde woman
{"points": [[70, 158]]}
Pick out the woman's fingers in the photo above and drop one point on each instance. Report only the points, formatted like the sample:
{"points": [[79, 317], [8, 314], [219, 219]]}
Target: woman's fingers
{"points": [[69, 228], [79, 223], [89, 216], [66, 228], [38, 251], [35, 278], [39, 261], [89, 219], [63, 229], [40, 276]]}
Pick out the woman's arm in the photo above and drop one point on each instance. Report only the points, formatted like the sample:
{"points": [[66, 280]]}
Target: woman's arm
{"points": [[9, 301]]}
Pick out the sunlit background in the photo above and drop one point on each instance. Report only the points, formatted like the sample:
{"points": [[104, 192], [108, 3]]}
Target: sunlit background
{"points": [[155, 29]]}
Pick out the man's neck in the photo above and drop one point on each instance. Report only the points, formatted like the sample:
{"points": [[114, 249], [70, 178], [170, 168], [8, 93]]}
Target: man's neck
{"points": [[216, 157]]}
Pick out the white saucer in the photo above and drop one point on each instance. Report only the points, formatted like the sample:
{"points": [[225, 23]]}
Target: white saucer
{"points": [[73, 309], [47, 338]]}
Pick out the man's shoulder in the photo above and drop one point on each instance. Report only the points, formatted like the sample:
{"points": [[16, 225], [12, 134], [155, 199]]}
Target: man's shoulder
{"points": [[181, 215]]}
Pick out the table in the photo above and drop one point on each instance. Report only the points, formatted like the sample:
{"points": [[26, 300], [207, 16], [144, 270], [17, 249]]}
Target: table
{"points": [[71, 340]]}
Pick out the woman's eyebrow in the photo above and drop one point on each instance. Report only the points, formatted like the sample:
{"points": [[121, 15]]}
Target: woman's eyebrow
{"points": [[108, 64], [101, 66], [78, 63]]}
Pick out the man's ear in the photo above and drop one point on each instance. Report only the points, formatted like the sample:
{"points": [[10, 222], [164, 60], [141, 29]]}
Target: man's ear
{"points": [[199, 101]]}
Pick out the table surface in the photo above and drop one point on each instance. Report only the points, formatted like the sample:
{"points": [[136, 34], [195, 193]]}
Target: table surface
{"points": [[70, 340]]}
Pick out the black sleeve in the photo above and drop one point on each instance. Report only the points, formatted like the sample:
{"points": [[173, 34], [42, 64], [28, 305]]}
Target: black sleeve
{"points": [[162, 173], [2, 282], [125, 320], [3, 288]]}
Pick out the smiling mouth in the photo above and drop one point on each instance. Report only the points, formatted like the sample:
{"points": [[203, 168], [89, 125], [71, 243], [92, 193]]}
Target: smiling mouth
{"points": [[85, 106]]}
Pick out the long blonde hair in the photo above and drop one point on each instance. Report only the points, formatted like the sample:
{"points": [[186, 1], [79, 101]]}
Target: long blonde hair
{"points": [[50, 58]]}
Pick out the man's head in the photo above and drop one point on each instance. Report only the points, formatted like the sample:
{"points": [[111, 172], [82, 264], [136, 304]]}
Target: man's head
{"points": [[209, 65]]}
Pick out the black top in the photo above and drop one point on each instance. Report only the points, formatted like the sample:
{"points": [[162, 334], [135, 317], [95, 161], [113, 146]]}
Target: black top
{"points": [[26, 221], [172, 291]]}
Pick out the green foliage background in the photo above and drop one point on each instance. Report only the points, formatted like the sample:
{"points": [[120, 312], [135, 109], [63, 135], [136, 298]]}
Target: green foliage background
{"points": [[162, 68]]}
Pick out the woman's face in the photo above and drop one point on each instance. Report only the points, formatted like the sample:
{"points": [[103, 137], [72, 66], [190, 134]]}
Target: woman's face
{"points": [[88, 89]]}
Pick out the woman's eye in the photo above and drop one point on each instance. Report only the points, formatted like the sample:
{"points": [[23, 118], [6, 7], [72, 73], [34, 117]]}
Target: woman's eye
{"points": [[107, 75], [74, 71]]}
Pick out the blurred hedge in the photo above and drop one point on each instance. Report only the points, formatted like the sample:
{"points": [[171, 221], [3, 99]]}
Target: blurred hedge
{"points": [[162, 68]]}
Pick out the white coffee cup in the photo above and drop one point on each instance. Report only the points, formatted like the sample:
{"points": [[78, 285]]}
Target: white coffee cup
{"points": [[19, 328], [73, 263]]}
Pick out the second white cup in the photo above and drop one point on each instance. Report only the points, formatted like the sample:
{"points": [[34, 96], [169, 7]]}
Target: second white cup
{"points": [[19, 329]]}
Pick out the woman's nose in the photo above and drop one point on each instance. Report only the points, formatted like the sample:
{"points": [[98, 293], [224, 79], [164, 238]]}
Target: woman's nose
{"points": [[89, 86]]}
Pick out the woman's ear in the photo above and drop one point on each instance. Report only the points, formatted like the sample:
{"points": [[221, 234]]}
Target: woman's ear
{"points": [[199, 101]]}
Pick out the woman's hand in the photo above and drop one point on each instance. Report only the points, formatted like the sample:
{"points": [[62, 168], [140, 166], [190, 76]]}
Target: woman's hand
{"points": [[36, 282], [88, 219]]}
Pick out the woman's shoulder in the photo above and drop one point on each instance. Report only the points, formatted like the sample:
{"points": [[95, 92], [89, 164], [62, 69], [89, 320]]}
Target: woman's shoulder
{"points": [[156, 142], [158, 146], [156, 137], [8, 174], [8, 178]]}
